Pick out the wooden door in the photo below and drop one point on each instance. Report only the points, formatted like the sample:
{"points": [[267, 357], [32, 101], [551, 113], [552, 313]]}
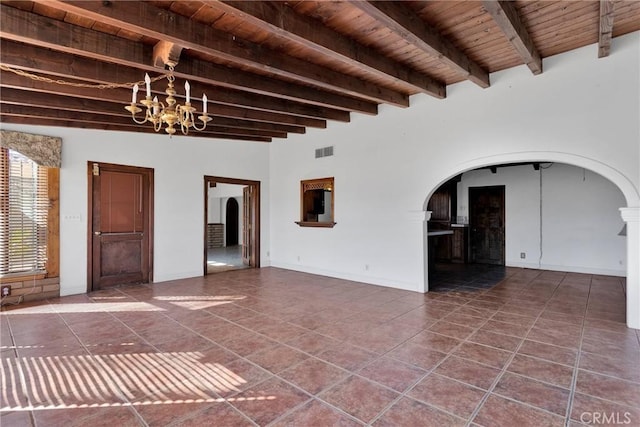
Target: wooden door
{"points": [[486, 220], [121, 225], [247, 222]]}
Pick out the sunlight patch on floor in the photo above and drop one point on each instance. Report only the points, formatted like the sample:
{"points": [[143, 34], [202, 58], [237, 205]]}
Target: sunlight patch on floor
{"points": [[113, 380]]}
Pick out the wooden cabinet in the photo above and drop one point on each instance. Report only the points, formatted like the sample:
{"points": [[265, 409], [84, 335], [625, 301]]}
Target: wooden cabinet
{"points": [[459, 244], [443, 207]]}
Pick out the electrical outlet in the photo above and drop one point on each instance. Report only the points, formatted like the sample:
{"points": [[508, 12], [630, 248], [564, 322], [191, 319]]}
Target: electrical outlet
{"points": [[523, 255], [6, 290]]}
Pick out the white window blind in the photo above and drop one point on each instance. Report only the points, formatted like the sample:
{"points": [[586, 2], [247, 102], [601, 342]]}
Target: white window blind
{"points": [[24, 205]]}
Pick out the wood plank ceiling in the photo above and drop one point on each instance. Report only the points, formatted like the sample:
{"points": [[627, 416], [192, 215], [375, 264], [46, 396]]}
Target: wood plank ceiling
{"points": [[274, 68]]}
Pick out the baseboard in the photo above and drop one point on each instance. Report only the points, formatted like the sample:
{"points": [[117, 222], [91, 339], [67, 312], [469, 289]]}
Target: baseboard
{"points": [[569, 269], [371, 280]]}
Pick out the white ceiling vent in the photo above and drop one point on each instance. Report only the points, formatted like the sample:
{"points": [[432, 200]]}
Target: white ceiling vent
{"points": [[324, 152]]}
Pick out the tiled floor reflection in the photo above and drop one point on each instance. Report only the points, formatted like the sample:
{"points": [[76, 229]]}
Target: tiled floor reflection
{"points": [[498, 347], [225, 259]]}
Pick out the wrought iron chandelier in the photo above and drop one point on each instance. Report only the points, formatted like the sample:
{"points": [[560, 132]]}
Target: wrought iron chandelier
{"points": [[170, 114]]}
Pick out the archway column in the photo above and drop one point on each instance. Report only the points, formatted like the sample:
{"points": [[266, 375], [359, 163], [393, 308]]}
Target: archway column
{"points": [[631, 217], [421, 219], [418, 222]]}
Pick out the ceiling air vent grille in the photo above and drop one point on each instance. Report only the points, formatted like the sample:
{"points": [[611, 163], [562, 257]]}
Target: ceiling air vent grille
{"points": [[324, 152]]}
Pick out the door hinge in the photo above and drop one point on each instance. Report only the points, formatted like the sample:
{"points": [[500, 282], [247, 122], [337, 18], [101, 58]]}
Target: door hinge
{"points": [[96, 169]]}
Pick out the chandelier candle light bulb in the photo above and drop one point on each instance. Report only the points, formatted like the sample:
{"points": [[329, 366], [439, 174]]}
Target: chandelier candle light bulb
{"points": [[168, 114], [147, 81]]}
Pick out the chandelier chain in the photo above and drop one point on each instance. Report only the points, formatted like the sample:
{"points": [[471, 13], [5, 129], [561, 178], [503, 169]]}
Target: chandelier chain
{"points": [[82, 85]]}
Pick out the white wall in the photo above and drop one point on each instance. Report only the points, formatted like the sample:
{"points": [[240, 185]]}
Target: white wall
{"points": [[179, 165], [581, 110], [213, 210], [216, 203], [580, 217], [218, 198]]}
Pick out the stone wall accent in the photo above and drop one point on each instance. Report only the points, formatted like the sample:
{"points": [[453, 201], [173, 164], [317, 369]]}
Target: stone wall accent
{"points": [[215, 235], [33, 290], [42, 149]]}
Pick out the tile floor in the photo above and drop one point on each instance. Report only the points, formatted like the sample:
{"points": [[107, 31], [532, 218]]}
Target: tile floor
{"points": [[224, 259], [510, 347]]}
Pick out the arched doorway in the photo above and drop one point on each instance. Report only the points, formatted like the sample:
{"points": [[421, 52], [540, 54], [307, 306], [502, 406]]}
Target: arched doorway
{"points": [[231, 227], [627, 209]]}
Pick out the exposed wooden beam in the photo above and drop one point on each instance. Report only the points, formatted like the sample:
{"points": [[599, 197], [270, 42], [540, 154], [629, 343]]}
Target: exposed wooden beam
{"points": [[10, 80], [6, 118], [408, 25], [278, 18], [606, 27], [166, 53], [88, 117], [142, 18], [506, 16], [60, 36], [221, 97], [226, 77], [228, 116]]}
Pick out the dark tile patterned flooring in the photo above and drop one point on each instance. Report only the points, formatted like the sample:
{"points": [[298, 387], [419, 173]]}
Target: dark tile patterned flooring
{"points": [[489, 346]]}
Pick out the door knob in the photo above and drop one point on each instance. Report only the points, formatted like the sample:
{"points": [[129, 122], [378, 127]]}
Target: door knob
{"points": [[97, 233]]}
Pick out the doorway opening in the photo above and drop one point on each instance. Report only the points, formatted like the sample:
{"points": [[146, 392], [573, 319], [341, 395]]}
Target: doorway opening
{"points": [[536, 215], [457, 243], [232, 235], [120, 232]]}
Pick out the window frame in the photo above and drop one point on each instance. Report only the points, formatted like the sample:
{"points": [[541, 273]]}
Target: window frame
{"points": [[327, 184], [52, 264]]}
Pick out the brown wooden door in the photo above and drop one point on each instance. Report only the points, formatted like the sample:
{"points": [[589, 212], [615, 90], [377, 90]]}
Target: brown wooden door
{"points": [[121, 224], [486, 220], [247, 222]]}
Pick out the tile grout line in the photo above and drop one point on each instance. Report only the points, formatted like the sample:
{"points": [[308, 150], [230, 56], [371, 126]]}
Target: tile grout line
{"points": [[466, 340], [23, 382], [351, 373], [358, 375], [121, 396], [576, 365], [515, 352], [158, 350], [246, 360], [430, 371], [355, 373]]}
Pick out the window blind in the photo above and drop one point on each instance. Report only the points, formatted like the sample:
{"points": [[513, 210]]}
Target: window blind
{"points": [[24, 205]]}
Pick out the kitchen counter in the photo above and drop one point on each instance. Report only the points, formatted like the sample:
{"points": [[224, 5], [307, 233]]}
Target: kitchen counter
{"points": [[439, 233]]}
